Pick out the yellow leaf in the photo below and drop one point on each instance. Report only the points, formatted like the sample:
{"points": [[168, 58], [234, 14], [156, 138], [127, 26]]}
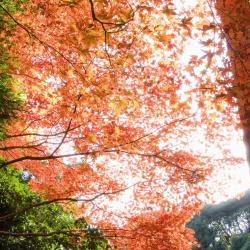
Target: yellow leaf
{"points": [[92, 37], [125, 16], [91, 138], [70, 72], [220, 106], [134, 104], [117, 131], [213, 116], [82, 59], [118, 105], [128, 61], [164, 38], [175, 106]]}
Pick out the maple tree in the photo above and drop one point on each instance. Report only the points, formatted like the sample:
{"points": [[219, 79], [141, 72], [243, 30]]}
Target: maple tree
{"points": [[112, 111]]}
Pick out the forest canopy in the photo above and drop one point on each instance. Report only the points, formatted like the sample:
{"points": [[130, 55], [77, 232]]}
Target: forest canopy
{"points": [[126, 112]]}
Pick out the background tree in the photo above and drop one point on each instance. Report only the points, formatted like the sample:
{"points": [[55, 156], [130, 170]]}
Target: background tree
{"points": [[224, 226], [10, 99], [27, 226]]}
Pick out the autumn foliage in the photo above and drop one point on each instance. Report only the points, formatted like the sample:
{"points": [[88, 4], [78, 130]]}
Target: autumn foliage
{"points": [[121, 113]]}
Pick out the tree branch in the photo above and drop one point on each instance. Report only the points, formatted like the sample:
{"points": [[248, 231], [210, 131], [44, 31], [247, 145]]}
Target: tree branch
{"points": [[31, 34], [58, 200]]}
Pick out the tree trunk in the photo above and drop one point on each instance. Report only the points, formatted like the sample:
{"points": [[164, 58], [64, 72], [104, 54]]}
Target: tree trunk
{"points": [[235, 23]]}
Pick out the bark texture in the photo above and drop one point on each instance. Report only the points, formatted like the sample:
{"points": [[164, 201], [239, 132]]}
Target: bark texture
{"points": [[235, 23]]}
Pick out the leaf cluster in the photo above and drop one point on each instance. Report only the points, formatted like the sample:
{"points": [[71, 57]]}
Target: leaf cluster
{"points": [[15, 195], [13, 6], [10, 99]]}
